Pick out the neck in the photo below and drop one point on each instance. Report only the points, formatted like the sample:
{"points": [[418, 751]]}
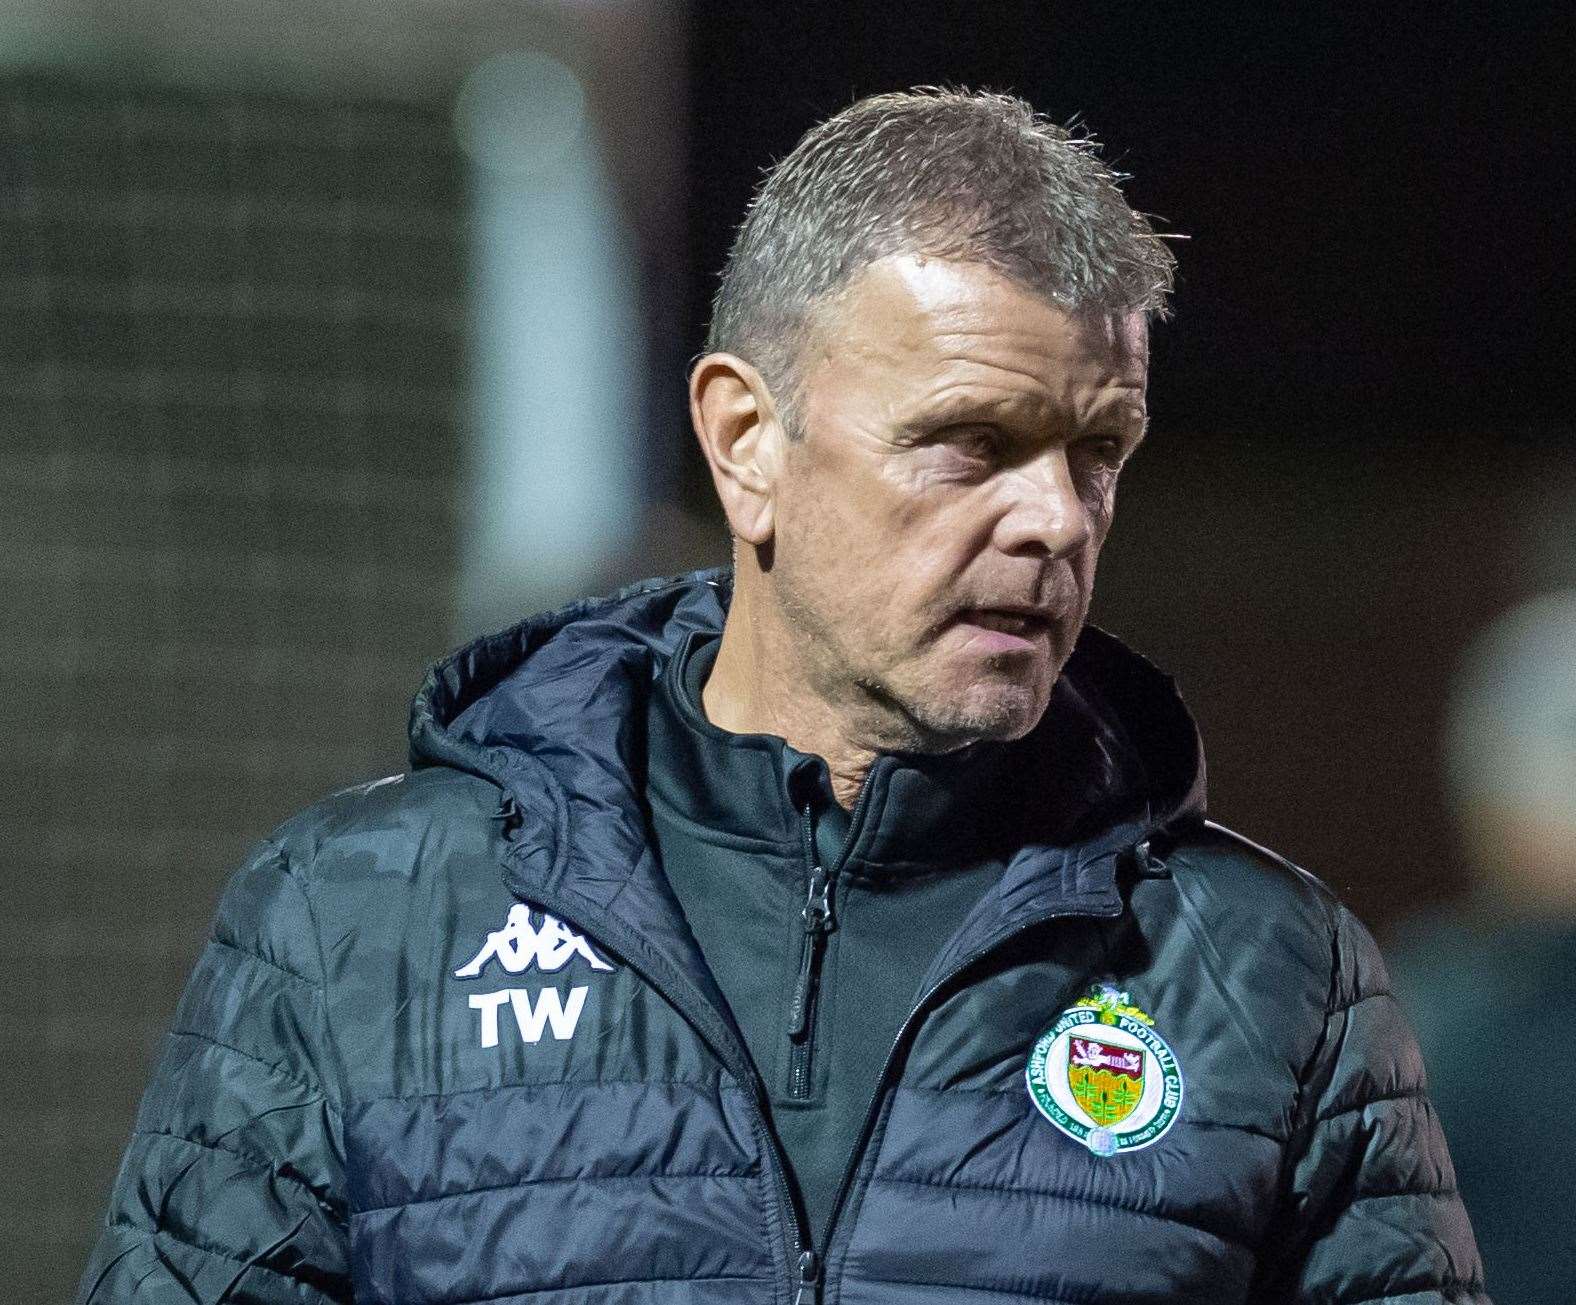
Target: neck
{"points": [[760, 684]]}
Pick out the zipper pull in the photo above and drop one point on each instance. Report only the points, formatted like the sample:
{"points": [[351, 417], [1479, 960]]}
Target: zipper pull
{"points": [[809, 1279], [817, 911], [817, 916]]}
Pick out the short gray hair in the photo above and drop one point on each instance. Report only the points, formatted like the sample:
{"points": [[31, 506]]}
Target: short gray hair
{"points": [[948, 173]]}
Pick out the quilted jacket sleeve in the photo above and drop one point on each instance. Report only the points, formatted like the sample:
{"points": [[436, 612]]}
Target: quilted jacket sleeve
{"points": [[1373, 1214], [231, 1186]]}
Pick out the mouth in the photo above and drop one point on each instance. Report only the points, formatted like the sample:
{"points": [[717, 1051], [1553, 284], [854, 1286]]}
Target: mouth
{"points": [[1008, 629]]}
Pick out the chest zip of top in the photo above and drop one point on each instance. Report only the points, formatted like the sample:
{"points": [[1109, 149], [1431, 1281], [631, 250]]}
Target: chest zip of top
{"points": [[818, 922]]}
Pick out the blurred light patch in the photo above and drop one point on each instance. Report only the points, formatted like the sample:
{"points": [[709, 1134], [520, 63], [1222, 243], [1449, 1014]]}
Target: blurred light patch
{"points": [[1512, 727], [520, 113], [558, 358]]}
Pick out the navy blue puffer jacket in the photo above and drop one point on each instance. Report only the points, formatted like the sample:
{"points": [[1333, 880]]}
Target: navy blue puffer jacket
{"points": [[452, 1042]]}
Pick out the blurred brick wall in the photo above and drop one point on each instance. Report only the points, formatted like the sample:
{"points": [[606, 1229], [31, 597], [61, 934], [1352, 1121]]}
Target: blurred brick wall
{"points": [[230, 334]]}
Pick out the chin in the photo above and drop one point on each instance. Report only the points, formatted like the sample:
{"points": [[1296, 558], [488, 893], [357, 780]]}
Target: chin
{"points": [[997, 712]]}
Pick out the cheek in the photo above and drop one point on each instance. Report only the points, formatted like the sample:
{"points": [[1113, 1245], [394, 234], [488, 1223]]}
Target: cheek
{"points": [[835, 546], [857, 521], [883, 546], [930, 542], [1097, 493]]}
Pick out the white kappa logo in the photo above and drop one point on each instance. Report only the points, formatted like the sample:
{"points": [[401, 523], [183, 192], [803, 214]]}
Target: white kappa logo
{"points": [[519, 943], [517, 947]]}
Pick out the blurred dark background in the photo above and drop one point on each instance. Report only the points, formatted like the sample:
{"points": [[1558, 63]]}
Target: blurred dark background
{"points": [[332, 334]]}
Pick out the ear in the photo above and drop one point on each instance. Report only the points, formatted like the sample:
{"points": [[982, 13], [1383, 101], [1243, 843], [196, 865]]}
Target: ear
{"points": [[742, 438]]}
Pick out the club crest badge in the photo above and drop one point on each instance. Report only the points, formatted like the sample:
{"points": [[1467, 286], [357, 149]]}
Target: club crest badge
{"points": [[1103, 1076]]}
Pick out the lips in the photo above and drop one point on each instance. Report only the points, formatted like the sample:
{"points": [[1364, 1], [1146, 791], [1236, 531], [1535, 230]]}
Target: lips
{"points": [[1008, 630], [1009, 621]]}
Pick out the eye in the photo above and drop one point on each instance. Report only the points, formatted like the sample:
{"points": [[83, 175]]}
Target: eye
{"points": [[977, 443], [1108, 452]]}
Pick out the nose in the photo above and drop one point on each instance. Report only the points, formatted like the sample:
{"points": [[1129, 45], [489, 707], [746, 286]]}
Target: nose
{"points": [[1044, 513]]}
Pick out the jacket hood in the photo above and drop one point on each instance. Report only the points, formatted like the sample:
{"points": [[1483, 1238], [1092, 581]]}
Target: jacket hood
{"points": [[551, 711]]}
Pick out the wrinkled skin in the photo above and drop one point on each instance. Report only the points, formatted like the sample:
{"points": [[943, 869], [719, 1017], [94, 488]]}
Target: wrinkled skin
{"points": [[962, 439]]}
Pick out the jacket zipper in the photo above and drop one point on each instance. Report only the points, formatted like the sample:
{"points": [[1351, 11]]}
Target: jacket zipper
{"points": [[805, 1263], [809, 1284], [872, 1108]]}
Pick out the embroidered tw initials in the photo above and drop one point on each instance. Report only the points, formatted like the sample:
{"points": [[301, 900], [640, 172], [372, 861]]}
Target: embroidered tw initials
{"points": [[549, 1011], [517, 947]]}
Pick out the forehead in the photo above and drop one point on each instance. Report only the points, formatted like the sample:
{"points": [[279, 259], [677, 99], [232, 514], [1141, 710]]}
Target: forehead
{"points": [[923, 323]]}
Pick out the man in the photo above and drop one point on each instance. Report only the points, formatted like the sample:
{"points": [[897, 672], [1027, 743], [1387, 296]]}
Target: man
{"points": [[841, 927]]}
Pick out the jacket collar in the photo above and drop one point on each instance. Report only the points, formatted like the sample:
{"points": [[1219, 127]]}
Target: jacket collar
{"points": [[551, 710], [915, 812]]}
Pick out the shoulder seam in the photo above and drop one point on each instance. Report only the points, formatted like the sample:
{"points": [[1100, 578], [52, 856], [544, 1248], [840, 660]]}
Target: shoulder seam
{"points": [[246, 1157], [288, 1075], [1188, 850], [1345, 943], [329, 1095], [272, 851], [232, 945], [341, 803]]}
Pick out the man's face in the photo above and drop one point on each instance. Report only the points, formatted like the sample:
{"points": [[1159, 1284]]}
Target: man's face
{"points": [[936, 529]]}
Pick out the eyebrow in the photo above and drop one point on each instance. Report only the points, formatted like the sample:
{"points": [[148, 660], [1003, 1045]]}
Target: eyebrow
{"points": [[962, 408]]}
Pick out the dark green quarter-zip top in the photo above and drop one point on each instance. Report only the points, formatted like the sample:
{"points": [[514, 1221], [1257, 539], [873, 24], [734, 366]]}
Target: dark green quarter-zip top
{"points": [[817, 923]]}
